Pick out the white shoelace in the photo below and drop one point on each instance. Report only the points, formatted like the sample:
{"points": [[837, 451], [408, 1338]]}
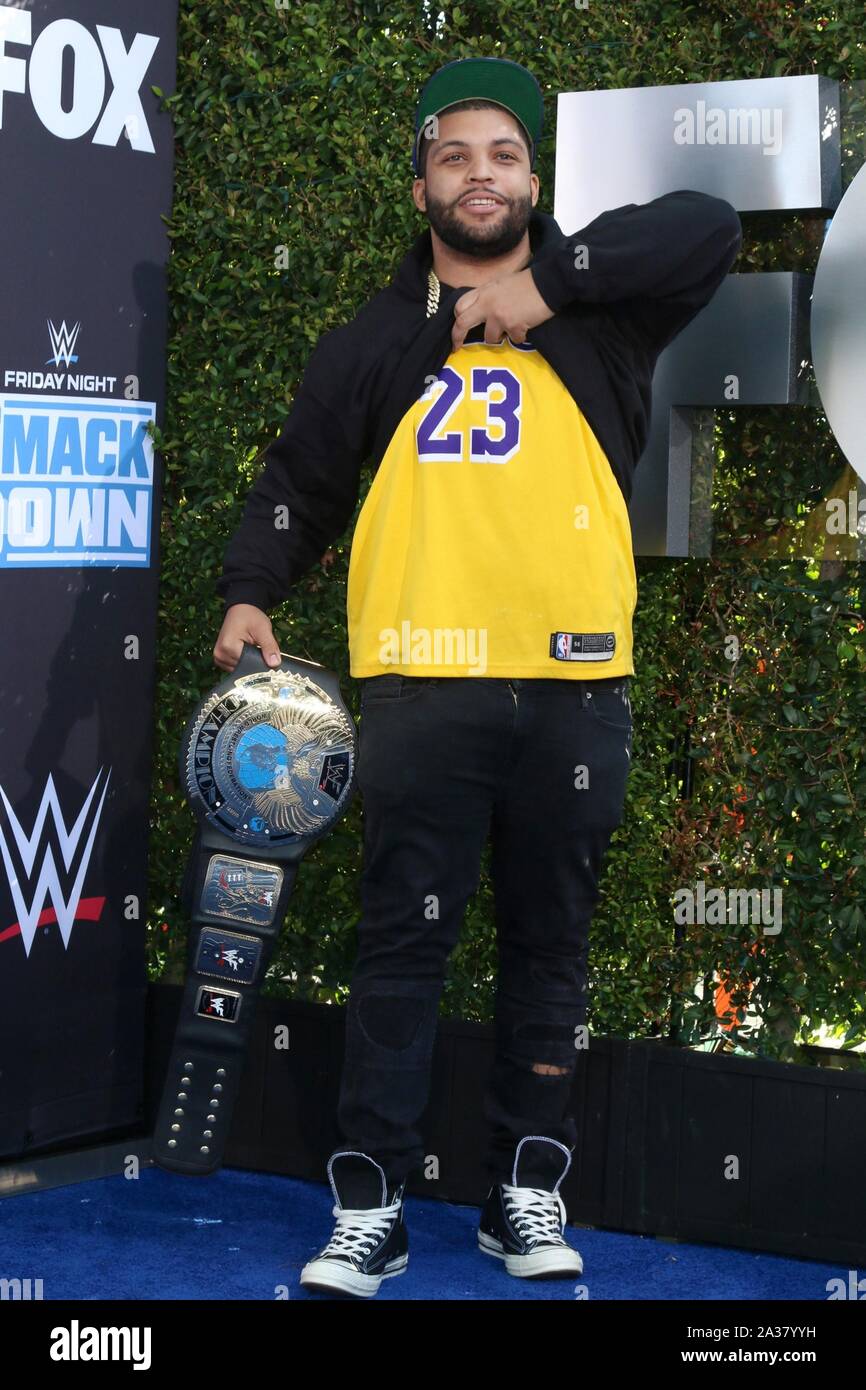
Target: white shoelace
{"points": [[358, 1229], [536, 1213]]}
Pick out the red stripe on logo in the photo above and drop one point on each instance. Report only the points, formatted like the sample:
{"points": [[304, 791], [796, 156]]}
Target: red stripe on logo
{"points": [[88, 910]]}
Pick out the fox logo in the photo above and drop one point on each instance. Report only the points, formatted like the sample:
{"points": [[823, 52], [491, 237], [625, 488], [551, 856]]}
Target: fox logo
{"points": [[94, 65]]}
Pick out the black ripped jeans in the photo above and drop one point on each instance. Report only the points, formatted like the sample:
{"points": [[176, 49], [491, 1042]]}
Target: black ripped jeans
{"points": [[541, 765]]}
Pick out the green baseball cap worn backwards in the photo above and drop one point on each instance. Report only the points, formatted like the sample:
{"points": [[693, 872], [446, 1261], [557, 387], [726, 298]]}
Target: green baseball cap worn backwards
{"points": [[483, 79]]}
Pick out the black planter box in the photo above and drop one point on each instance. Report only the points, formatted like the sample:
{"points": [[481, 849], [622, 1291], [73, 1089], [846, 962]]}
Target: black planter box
{"points": [[658, 1128]]}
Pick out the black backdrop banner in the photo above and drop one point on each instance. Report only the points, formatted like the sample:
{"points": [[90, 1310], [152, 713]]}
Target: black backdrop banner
{"points": [[86, 165]]}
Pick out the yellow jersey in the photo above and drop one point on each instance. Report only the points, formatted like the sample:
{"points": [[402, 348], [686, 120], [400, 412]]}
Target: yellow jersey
{"points": [[494, 539]]}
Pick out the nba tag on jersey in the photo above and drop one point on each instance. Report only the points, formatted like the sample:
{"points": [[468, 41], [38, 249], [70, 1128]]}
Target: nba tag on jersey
{"points": [[582, 646]]}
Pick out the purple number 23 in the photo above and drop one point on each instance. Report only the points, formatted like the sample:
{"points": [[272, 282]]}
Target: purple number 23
{"points": [[435, 446]]}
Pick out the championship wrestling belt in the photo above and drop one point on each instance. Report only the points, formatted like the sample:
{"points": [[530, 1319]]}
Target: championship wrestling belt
{"points": [[267, 762]]}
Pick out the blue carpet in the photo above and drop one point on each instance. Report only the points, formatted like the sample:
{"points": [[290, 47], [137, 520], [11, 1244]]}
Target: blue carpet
{"points": [[242, 1235]]}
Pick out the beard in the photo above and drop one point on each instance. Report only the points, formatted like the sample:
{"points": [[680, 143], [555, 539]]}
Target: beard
{"points": [[487, 240]]}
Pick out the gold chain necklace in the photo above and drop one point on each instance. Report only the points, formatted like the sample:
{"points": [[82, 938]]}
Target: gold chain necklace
{"points": [[433, 288]]}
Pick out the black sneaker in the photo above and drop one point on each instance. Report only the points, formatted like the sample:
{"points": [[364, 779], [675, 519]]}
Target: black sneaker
{"points": [[522, 1221], [370, 1242]]}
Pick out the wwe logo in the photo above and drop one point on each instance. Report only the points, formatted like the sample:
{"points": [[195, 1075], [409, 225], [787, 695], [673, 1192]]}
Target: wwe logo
{"points": [[49, 881], [63, 342]]}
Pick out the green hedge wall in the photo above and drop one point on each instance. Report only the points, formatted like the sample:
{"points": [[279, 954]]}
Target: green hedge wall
{"points": [[294, 129]]}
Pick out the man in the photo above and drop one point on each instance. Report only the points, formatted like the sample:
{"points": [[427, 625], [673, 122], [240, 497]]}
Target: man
{"points": [[501, 382]]}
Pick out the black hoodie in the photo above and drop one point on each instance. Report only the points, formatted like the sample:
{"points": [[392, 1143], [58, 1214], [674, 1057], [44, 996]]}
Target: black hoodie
{"points": [[646, 271]]}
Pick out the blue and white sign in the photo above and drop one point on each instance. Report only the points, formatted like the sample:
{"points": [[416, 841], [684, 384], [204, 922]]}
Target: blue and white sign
{"points": [[76, 481]]}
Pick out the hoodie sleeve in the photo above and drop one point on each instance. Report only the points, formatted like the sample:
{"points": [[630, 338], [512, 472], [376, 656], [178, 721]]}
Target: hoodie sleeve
{"points": [[311, 472], [668, 257]]}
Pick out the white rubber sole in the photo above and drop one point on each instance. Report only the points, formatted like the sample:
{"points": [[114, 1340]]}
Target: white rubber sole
{"points": [[329, 1276], [549, 1263]]}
